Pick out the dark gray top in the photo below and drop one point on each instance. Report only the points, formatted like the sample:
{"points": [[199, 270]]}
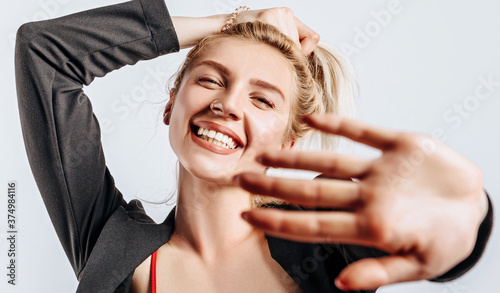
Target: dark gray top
{"points": [[104, 237]]}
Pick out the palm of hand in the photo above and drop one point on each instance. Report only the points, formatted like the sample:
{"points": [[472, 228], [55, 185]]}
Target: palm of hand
{"points": [[420, 201]]}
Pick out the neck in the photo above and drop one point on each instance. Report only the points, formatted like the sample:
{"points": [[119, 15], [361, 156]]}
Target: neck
{"points": [[208, 217]]}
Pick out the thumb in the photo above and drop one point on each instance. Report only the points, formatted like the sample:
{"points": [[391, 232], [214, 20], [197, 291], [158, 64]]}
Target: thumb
{"points": [[371, 273], [308, 37]]}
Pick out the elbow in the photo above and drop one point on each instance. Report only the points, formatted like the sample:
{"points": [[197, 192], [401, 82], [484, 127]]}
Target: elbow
{"points": [[32, 35], [24, 31], [24, 58], [30, 30], [25, 34], [23, 38]]}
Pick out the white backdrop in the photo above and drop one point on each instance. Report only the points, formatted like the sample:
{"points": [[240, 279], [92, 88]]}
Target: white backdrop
{"points": [[419, 64]]}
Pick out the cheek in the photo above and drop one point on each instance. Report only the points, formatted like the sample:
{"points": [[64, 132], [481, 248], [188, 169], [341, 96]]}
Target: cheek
{"points": [[179, 120], [187, 103], [269, 129]]}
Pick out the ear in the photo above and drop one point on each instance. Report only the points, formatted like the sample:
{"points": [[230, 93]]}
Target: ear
{"points": [[168, 109]]}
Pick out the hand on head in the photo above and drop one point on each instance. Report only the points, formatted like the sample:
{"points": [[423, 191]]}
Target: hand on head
{"points": [[284, 19]]}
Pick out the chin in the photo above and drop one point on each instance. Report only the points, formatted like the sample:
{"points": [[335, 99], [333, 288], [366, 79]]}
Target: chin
{"points": [[214, 176], [217, 172], [209, 171]]}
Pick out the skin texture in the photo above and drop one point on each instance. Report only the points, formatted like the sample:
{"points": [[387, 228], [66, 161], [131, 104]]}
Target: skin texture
{"points": [[420, 201]]}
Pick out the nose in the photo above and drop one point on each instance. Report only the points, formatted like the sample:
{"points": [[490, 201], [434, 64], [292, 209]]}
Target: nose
{"points": [[229, 106]]}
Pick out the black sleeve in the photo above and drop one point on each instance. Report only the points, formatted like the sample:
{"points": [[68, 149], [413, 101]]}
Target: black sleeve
{"points": [[54, 59]]}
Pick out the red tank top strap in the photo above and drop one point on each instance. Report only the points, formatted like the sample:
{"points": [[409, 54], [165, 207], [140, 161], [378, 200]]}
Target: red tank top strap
{"points": [[153, 272]]}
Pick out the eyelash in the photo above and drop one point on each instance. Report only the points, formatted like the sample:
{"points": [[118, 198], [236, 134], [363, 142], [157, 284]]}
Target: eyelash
{"points": [[263, 100], [209, 80], [266, 101]]}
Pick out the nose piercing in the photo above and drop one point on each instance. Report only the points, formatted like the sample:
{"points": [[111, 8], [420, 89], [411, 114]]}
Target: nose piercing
{"points": [[216, 107]]}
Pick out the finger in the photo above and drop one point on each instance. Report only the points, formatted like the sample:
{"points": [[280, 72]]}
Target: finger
{"points": [[329, 164], [283, 19], [287, 26], [305, 226], [371, 273], [313, 193], [373, 136], [308, 37]]}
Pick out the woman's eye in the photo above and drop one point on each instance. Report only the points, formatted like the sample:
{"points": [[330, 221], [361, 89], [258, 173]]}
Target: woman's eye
{"points": [[265, 101], [209, 81]]}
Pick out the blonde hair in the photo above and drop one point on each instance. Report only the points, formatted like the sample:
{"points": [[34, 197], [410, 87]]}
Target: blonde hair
{"points": [[324, 83]]}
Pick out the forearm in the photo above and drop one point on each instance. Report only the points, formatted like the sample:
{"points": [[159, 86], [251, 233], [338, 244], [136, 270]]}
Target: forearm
{"points": [[190, 30]]}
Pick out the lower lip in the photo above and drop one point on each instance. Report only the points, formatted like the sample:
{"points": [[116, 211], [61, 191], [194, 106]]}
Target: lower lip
{"points": [[211, 147]]}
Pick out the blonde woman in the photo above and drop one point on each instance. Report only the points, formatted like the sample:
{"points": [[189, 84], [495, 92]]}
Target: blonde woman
{"points": [[244, 98]]}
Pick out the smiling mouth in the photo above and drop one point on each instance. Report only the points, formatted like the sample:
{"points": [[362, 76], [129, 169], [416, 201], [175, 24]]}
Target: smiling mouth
{"points": [[215, 137]]}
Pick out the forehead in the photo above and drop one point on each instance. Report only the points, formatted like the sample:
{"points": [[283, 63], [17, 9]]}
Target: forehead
{"points": [[248, 59]]}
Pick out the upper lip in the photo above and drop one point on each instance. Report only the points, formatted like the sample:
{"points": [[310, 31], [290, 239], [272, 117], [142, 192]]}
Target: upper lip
{"points": [[219, 128]]}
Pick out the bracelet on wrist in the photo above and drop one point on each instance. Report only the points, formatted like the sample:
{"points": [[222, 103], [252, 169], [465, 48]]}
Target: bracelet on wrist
{"points": [[232, 18]]}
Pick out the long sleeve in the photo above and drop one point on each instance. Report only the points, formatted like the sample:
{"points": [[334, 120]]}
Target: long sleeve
{"points": [[54, 59]]}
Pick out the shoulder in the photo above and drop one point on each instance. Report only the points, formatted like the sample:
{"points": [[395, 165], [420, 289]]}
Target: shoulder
{"points": [[135, 210]]}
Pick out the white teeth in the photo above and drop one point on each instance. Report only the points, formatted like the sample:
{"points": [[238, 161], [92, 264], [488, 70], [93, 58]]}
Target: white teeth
{"points": [[217, 138]]}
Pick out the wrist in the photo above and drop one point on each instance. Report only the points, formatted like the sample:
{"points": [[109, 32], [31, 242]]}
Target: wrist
{"points": [[232, 19], [483, 236], [190, 30], [483, 206]]}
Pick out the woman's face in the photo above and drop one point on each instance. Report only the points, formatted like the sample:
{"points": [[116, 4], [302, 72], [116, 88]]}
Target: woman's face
{"points": [[233, 103]]}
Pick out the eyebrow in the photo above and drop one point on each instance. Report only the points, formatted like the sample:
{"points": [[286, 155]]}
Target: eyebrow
{"points": [[268, 86], [216, 65]]}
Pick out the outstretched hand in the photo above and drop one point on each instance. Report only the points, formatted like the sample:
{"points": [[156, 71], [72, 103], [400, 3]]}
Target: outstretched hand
{"points": [[420, 201]]}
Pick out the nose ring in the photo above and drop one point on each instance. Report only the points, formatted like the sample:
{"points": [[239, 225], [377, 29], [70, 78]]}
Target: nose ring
{"points": [[216, 107]]}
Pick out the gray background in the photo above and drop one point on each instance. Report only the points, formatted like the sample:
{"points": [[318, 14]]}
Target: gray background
{"points": [[413, 68]]}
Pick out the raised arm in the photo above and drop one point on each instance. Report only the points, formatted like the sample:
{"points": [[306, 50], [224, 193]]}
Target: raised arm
{"points": [[190, 30], [54, 59]]}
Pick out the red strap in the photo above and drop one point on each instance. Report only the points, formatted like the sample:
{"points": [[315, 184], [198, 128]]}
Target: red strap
{"points": [[153, 272]]}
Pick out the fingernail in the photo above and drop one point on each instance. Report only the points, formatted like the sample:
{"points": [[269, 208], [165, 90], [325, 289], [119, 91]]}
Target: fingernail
{"points": [[341, 285]]}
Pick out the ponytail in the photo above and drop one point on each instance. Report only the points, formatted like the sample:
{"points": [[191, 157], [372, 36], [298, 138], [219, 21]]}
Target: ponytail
{"points": [[335, 85]]}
